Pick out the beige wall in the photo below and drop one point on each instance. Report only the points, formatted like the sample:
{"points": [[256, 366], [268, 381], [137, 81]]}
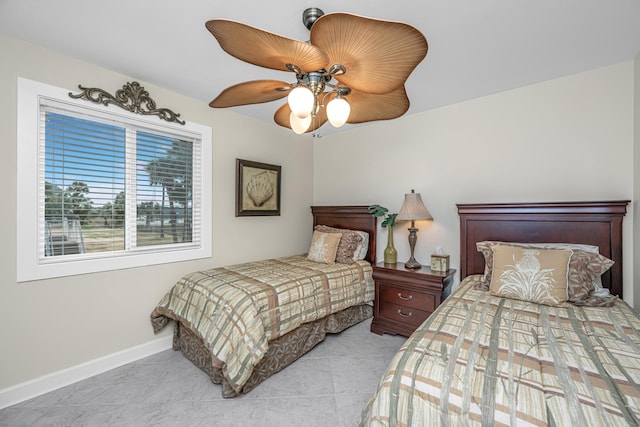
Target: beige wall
{"points": [[636, 179], [49, 325], [568, 139]]}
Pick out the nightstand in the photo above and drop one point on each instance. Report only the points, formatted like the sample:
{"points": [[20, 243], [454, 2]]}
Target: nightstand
{"points": [[405, 298]]}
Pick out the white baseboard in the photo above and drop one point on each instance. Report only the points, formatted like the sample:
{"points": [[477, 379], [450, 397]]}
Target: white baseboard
{"points": [[46, 383]]}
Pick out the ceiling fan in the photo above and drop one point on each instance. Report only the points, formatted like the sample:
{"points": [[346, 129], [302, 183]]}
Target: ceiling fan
{"points": [[352, 70]]}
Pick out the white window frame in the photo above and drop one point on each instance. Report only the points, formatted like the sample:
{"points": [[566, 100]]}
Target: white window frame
{"points": [[30, 265]]}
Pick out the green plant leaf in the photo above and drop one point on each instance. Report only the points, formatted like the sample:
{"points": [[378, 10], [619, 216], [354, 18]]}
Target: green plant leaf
{"points": [[377, 210], [390, 220]]}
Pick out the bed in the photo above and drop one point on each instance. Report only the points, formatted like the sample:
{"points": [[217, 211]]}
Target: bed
{"points": [[483, 359], [241, 324]]}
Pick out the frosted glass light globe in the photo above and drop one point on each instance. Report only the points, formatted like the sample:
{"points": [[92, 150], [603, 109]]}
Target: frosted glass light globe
{"points": [[299, 125], [338, 110], [300, 101]]}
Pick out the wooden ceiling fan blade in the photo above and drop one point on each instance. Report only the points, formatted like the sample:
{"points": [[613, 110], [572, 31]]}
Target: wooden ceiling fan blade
{"points": [[283, 113], [378, 55], [368, 107], [253, 92], [281, 116], [265, 49]]}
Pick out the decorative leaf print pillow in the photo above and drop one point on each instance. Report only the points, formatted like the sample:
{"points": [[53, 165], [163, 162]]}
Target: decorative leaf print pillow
{"points": [[531, 274], [585, 269], [348, 243], [324, 247]]}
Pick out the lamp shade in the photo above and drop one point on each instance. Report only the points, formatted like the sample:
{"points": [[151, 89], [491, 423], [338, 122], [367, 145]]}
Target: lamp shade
{"points": [[413, 209], [299, 125], [301, 101], [338, 110]]}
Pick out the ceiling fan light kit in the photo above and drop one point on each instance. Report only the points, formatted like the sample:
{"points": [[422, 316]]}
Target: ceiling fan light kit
{"points": [[338, 110], [369, 60], [301, 101], [299, 125]]}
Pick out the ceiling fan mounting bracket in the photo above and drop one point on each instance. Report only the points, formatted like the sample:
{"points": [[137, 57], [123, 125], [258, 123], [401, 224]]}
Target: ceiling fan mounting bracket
{"points": [[337, 70], [293, 68], [310, 15]]}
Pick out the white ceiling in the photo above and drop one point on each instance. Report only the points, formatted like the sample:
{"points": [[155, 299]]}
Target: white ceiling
{"points": [[476, 47]]}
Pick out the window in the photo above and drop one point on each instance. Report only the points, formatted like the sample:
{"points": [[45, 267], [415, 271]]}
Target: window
{"points": [[114, 189]]}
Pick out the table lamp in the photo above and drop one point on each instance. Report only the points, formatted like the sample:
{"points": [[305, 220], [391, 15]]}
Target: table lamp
{"points": [[413, 210]]}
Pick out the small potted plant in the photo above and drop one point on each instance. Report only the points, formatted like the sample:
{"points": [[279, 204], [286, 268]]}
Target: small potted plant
{"points": [[389, 220]]}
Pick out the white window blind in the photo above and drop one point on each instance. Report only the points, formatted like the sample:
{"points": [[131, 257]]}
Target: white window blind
{"points": [[111, 185]]}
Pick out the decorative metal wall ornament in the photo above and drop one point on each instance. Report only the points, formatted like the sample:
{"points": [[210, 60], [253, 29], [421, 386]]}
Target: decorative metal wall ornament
{"points": [[132, 97]]}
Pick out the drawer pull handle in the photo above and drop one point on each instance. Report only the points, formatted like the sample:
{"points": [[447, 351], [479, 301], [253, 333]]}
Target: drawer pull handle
{"points": [[404, 315], [409, 298]]}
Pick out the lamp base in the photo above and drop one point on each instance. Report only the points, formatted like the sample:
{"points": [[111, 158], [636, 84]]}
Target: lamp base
{"points": [[412, 264]]}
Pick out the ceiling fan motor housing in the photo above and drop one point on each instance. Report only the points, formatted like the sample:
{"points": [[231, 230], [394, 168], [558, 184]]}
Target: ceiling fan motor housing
{"points": [[316, 81]]}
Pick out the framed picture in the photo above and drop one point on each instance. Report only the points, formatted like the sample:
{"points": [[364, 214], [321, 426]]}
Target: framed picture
{"points": [[257, 188]]}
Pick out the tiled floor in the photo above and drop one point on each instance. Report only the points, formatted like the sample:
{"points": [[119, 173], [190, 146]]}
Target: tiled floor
{"points": [[327, 387]]}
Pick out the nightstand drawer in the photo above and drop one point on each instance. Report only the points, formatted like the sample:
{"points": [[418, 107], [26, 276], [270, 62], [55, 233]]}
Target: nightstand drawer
{"points": [[404, 314], [408, 298]]}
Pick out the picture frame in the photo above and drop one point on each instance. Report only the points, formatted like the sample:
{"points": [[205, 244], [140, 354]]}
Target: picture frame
{"points": [[257, 188]]}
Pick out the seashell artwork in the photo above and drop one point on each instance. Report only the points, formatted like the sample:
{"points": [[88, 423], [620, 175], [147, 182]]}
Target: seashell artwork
{"points": [[257, 188], [260, 188]]}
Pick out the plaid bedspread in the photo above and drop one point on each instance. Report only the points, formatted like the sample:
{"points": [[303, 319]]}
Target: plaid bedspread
{"points": [[237, 309], [484, 360]]}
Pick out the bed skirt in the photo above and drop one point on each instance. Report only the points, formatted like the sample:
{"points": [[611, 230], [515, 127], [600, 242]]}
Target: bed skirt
{"points": [[282, 352]]}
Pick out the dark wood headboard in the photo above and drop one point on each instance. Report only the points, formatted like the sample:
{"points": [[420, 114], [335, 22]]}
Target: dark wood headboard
{"points": [[351, 217], [592, 223]]}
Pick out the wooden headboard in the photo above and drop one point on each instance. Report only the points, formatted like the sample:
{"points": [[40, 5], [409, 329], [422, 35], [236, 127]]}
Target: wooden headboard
{"points": [[351, 217], [592, 223]]}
